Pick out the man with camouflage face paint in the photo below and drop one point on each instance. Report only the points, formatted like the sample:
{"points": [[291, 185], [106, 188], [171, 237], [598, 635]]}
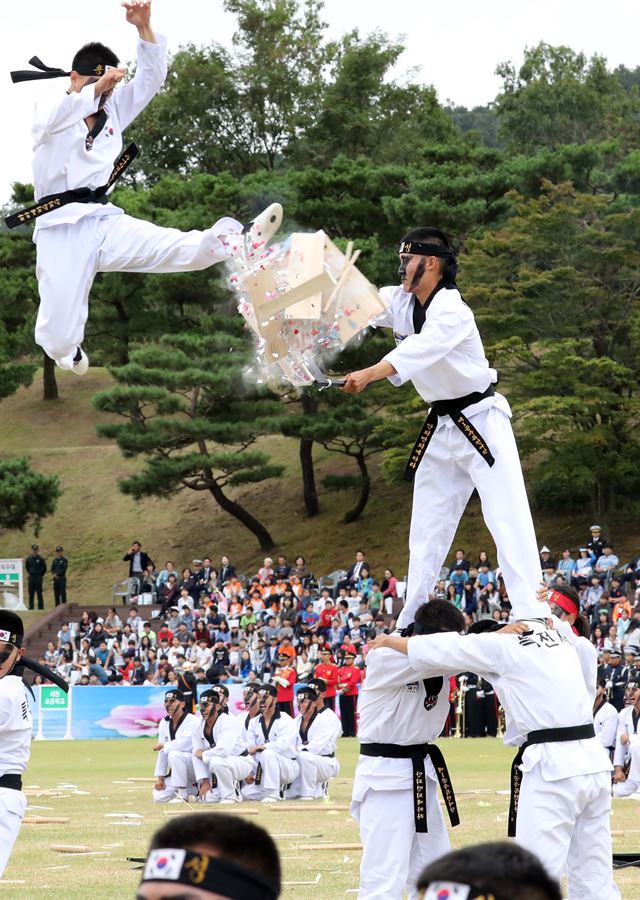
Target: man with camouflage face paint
{"points": [[318, 733], [174, 767], [218, 751]]}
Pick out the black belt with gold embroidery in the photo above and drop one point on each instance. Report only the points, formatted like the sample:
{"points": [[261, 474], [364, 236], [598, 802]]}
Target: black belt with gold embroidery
{"points": [[543, 736], [452, 408], [76, 195], [417, 753]]}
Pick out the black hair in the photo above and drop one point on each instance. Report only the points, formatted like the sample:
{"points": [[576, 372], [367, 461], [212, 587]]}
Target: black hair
{"points": [[503, 869], [581, 623], [438, 615], [233, 838], [430, 235]]}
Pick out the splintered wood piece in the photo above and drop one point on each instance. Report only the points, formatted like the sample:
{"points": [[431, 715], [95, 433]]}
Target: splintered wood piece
{"points": [[215, 807], [328, 846], [44, 820], [138, 779], [261, 287], [291, 301], [70, 848], [306, 261], [333, 299], [308, 807]]}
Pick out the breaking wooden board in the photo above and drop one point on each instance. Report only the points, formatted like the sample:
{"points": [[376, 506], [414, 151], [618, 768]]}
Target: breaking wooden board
{"points": [[45, 820], [71, 848], [308, 807], [146, 780], [214, 807], [306, 261], [328, 846]]}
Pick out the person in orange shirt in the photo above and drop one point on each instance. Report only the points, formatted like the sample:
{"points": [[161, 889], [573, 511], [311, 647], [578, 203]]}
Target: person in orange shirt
{"points": [[284, 678], [328, 671], [349, 677]]}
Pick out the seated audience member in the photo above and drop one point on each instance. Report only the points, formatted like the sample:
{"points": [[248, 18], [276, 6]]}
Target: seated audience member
{"points": [[214, 855], [606, 562], [301, 570], [266, 570], [499, 870], [389, 586]]}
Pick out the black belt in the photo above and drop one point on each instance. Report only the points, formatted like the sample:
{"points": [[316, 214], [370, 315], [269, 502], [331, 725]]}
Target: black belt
{"points": [[454, 409], [14, 782], [417, 753], [544, 736], [76, 195], [326, 755]]}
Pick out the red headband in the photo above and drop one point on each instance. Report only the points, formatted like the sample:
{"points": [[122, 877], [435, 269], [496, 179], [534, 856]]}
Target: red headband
{"points": [[565, 604]]}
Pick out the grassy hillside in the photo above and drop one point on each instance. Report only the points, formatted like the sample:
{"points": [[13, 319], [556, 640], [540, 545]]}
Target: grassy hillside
{"points": [[96, 523]]}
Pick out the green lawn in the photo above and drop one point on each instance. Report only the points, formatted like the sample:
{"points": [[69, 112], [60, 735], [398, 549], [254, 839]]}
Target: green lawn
{"points": [[95, 767]]}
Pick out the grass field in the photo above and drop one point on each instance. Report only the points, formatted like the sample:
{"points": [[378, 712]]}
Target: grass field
{"points": [[95, 770]]}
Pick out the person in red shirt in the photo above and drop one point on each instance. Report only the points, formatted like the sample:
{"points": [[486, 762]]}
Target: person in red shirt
{"points": [[326, 617], [284, 678], [164, 632], [328, 671], [349, 677]]}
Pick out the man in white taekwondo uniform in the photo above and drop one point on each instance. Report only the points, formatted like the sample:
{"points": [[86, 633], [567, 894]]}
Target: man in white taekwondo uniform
{"points": [[175, 775], [317, 741], [467, 441], [77, 139], [561, 774], [272, 747], [401, 824], [16, 725], [627, 752], [217, 750], [605, 718]]}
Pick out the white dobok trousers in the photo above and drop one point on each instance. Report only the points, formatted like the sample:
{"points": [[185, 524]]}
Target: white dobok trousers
{"points": [[566, 824], [277, 771], [393, 853], [12, 807], [182, 775], [449, 471], [632, 784], [228, 770], [315, 771], [70, 256]]}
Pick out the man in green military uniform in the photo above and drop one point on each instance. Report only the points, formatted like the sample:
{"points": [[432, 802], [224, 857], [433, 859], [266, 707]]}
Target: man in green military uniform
{"points": [[36, 568], [59, 571]]}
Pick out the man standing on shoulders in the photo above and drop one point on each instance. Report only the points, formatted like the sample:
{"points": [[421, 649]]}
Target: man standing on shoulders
{"points": [[59, 566], [466, 441], [36, 568]]}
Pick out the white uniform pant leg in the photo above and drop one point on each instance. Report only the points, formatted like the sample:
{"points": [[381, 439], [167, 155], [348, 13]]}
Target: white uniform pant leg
{"points": [[162, 763], [228, 770], [589, 863], [393, 853], [12, 807], [506, 511], [133, 245], [182, 772], [440, 493], [66, 264], [314, 771], [270, 778]]}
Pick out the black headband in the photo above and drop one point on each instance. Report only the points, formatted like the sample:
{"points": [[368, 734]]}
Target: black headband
{"points": [[208, 873], [83, 68], [419, 249]]}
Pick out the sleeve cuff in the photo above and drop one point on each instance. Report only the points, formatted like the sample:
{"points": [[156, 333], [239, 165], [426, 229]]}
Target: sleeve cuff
{"points": [[158, 46]]}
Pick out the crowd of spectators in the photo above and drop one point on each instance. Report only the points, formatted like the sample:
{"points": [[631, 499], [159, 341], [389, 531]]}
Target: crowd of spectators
{"points": [[220, 626]]}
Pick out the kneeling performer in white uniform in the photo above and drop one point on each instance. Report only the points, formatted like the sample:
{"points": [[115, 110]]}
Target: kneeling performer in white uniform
{"points": [[395, 788], [626, 758], [316, 743], [272, 746], [175, 775], [217, 750]]}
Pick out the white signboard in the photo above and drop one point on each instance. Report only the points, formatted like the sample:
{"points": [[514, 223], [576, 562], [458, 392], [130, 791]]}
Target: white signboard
{"points": [[11, 584]]}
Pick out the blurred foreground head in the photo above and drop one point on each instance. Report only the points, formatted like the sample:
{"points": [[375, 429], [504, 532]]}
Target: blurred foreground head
{"points": [[211, 856]]}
